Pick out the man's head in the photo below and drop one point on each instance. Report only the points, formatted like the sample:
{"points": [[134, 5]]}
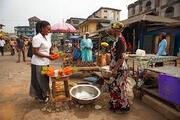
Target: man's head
{"points": [[21, 36], [162, 35], [87, 34]]}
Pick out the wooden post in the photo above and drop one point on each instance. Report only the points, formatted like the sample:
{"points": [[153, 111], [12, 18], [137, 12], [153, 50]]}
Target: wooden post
{"points": [[134, 41], [66, 86]]}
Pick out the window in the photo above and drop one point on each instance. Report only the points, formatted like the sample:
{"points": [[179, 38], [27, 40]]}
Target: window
{"points": [[148, 5], [105, 10], [169, 1], [133, 11], [105, 16], [169, 12], [140, 8], [75, 21]]}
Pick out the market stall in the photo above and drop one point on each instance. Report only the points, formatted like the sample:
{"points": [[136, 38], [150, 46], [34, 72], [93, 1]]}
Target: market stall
{"points": [[149, 60], [168, 85]]}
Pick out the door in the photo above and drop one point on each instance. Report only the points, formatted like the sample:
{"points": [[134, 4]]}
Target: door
{"points": [[148, 44]]}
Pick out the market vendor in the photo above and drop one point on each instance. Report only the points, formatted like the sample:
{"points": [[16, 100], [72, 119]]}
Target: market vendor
{"points": [[162, 44], [117, 88], [41, 44], [162, 47], [86, 46]]}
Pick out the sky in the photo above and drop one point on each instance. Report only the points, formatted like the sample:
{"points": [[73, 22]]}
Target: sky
{"points": [[16, 12]]}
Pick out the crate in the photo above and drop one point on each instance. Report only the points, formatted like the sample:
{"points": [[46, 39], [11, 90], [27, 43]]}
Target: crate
{"points": [[169, 88]]}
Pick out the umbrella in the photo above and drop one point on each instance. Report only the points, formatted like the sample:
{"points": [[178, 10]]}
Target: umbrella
{"points": [[63, 27]]}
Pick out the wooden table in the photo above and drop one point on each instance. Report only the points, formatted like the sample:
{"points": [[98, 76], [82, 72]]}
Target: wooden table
{"points": [[60, 88], [150, 60], [170, 70]]}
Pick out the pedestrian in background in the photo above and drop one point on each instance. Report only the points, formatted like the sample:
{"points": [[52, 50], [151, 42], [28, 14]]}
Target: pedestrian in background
{"points": [[20, 47], [162, 44], [2, 43], [162, 48], [12, 44], [86, 46]]}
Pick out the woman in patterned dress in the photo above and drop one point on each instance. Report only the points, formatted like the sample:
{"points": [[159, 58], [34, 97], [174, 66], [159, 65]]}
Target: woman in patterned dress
{"points": [[117, 87]]}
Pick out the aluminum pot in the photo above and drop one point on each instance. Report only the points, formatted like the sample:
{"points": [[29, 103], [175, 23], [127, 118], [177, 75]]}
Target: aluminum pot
{"points": [[84, 93]]}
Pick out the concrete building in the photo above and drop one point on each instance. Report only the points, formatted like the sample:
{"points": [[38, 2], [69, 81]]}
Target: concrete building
{"points": [[33, 20], [28, 31], [164, 8], [101, 18], [107, 13], [91, 25], [24, 30], [75, 21], [1, 26]]}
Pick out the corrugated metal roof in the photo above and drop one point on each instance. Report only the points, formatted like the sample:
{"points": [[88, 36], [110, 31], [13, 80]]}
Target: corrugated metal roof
{"points": [[148, 18]]}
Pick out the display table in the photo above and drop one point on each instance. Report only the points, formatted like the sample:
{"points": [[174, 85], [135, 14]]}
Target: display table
{"points": [[60, 88], [150, 60], [170, 70]]}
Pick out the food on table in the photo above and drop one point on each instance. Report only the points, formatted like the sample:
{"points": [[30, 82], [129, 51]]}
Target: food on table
{"points": [[54, 56]]}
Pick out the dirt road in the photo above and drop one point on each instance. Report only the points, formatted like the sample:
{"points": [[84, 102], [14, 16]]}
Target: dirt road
{"points": [[15, 103]]}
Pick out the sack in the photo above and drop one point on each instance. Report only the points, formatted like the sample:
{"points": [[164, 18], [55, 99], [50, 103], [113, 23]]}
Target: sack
{"points": [[140, 52], [129, 88]]}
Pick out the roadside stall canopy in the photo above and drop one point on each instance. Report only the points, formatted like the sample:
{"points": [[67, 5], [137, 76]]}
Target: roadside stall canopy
{"points": [[149, 18], [63, 28]]}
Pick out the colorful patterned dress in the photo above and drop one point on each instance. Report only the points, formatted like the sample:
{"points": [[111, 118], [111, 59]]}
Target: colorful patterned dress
{"points": [[117, 87]]}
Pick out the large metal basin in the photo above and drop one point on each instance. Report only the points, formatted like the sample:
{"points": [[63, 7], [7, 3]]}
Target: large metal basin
{"points": [[85, 94]]}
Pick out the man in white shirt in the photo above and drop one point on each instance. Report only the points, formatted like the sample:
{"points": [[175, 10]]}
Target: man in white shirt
{"points": [[2, 43]]}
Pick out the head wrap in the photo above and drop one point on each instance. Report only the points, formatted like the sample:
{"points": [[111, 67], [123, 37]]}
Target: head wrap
{"points": [[117, 26]]}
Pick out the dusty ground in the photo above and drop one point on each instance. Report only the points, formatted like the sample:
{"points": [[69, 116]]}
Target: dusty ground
{"points": [[15, 103]]}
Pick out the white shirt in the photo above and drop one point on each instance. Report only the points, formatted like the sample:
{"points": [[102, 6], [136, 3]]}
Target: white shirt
{"points": [[44, 45], [2, 43]]}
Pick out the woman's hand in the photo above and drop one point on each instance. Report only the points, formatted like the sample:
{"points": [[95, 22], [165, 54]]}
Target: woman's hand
{"points": [[50, 58], [114, 72]]}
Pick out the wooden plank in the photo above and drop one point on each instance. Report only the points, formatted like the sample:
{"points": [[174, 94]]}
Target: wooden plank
{"points": [[171, 70]]}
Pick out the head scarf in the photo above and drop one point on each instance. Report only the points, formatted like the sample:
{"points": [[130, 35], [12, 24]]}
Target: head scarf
{"points": [[117, 26]]}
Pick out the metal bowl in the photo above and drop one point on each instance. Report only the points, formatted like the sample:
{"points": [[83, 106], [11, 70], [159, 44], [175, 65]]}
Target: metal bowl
{"points": [[85, 94]]}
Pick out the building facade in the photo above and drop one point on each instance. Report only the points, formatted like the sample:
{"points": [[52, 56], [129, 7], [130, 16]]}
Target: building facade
{"points": [[1, 26], [107, 13], [28, 31], [24, 30], [91, 25], [75, 21], [164, 8], [101, 18], [32, 21]]}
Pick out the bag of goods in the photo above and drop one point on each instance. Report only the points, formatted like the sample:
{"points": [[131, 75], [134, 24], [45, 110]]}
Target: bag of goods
{"points": [[140, 52]]}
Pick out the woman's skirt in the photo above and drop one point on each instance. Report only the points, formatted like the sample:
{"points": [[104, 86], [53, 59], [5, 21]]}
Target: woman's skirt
{"points": [[117, 90], [39, 87]]}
